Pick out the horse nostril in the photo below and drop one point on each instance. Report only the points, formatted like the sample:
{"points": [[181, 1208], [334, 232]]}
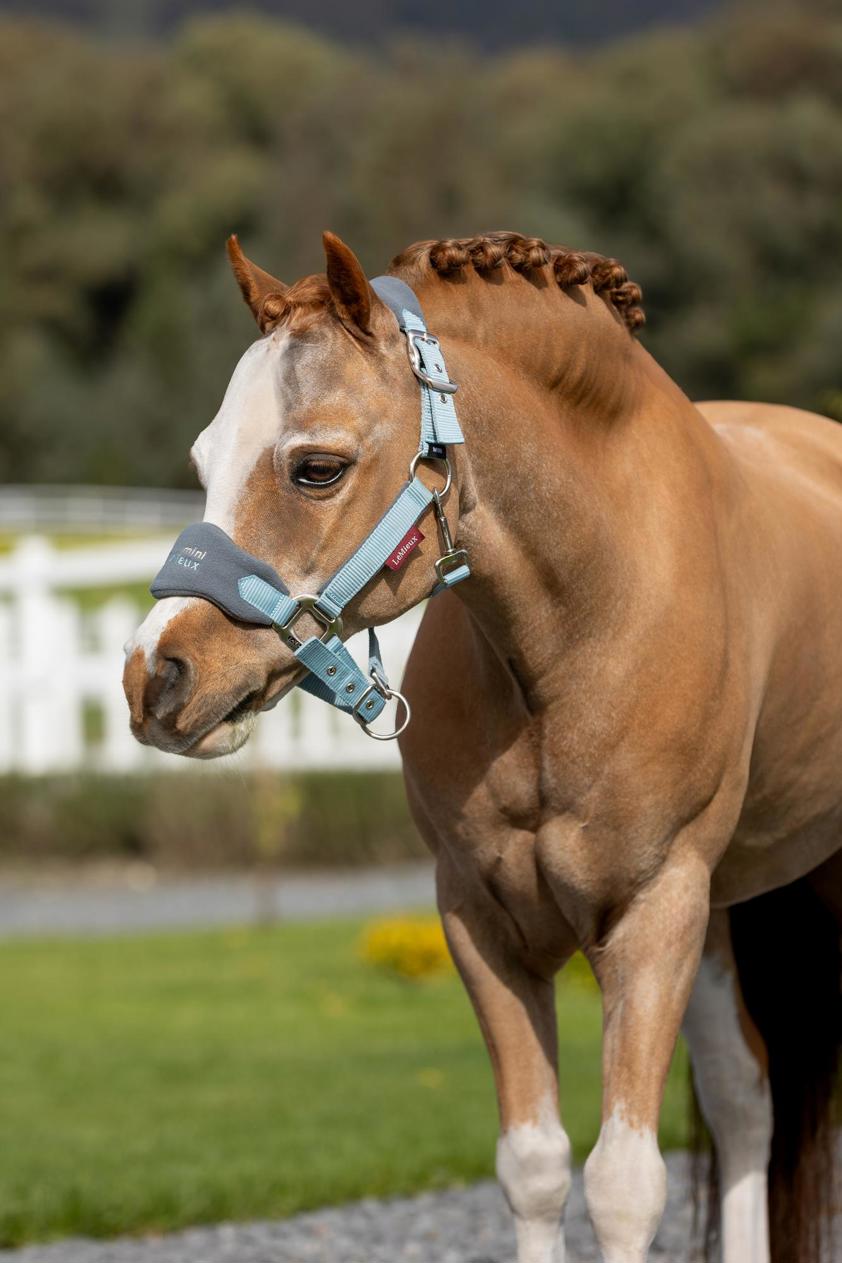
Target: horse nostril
{"points": [[171, 670], [169, 685]]}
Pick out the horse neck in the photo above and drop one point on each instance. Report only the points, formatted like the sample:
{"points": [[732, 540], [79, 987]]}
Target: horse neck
{"points": [[586, 475]]}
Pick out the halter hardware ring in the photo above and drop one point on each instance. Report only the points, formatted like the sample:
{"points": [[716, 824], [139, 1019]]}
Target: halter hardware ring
{"points": [[308, 604], [442, 460], [444, 387], [378, 686], [450, 561]]}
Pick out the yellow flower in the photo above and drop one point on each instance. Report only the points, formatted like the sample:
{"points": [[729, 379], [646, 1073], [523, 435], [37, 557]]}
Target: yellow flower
{"points": [[430, 1078], [413, 947]]}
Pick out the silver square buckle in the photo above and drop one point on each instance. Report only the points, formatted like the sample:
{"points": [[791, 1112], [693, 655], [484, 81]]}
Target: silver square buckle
{"points": [[450, 561], [443, 387], [308, 604]]}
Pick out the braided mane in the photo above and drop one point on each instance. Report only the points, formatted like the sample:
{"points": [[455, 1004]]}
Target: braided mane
{"points": [[527, 254]]}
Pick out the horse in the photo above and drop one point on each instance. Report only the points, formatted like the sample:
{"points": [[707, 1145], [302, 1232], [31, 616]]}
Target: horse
{"points": [[627, 724]]}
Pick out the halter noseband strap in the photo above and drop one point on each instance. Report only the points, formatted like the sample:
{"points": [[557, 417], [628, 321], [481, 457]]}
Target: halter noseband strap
{"points": [[205, 562]]}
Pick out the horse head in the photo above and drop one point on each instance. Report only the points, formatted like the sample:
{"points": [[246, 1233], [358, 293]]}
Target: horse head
{"points": [[314, 437]]}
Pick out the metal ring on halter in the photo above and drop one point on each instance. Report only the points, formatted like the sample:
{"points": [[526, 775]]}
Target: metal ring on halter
{"points": [[444, 387], [442, 460], [450, 561], [308, 604], [388, 693]]}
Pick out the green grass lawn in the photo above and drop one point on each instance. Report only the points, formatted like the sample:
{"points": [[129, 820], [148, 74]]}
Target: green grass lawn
{"points": [[153, 1082]]}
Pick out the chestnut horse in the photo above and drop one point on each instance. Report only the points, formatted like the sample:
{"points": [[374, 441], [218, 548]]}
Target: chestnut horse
{"points": [[627, 733]]}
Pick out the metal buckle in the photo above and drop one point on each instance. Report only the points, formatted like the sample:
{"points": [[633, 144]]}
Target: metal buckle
{"points": [[450, 561], [308, 604], [378, 685], [443, 387]]}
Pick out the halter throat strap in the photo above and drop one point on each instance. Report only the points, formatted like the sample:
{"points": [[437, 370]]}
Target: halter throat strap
{"points": [[205, 562]]}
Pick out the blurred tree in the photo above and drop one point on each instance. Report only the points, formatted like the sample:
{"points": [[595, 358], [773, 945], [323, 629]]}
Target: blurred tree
{"points": [[491, 23], [708, 159]]}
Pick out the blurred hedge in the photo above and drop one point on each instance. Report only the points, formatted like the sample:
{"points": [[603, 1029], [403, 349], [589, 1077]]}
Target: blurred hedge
{"points": [[201, 820]]}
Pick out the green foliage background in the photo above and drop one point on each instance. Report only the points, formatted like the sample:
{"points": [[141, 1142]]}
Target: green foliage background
{"points": [[709, 160]]}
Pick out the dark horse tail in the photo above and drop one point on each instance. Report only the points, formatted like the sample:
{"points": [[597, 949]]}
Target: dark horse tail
{"points": [[787, 948]]}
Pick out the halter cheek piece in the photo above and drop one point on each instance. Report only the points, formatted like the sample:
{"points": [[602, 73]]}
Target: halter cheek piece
{"points": [[205, 562]]}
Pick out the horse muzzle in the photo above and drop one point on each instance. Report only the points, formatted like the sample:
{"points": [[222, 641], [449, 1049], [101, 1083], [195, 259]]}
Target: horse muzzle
{"points": [[195, 690]]}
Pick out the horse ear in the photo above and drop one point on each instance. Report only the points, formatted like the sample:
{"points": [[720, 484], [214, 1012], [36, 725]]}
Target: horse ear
{"points": [[265, 294], [352, 295]]}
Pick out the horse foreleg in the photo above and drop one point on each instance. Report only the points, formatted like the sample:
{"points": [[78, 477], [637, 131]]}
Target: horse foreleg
{"points": [[516, 1012], [645, 967], [729, 1068]]}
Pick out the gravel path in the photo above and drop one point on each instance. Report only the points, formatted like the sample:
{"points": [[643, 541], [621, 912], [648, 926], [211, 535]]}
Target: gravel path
{"points": [[462, 1226], [136, 899]]}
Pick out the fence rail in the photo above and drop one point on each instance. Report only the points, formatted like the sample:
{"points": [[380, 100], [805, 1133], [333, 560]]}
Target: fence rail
{"points": [[61, 699], [93, 510]]}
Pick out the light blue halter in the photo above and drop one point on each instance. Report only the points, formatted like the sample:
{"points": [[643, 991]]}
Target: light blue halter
{"points": [[205, 562]]}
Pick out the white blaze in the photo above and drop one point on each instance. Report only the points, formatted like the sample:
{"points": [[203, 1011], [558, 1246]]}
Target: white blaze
{"points": [[226, 453], [151, 629], [247, 424]]}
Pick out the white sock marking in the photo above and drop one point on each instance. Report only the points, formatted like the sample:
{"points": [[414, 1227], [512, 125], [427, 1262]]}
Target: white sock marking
{"points": [[533, 1167], [626, 1190], [734, 1094]]}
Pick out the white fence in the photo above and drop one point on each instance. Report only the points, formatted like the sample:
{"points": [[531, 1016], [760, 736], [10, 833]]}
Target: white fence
{"points": [[61, 696], [92, 510]]}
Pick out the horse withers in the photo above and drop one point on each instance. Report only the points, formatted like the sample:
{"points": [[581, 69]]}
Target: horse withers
{"points": [[627, 724]]}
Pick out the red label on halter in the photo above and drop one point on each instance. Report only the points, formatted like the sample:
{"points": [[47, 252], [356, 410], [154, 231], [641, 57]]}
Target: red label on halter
{"points": [[404, 548]]}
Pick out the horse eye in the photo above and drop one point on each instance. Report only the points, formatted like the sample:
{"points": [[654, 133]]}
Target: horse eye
{"points": [[318, 471]]}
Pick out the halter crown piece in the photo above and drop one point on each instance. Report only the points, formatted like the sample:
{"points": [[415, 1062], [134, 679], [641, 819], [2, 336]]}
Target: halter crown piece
{"points": [[205, 562]]}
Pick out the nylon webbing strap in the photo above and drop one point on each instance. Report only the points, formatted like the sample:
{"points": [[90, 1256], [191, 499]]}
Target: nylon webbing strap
{"points": [[277, 606], [438, 412], [399, 297], [372, 553], [336, 678], [454, 576]]}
